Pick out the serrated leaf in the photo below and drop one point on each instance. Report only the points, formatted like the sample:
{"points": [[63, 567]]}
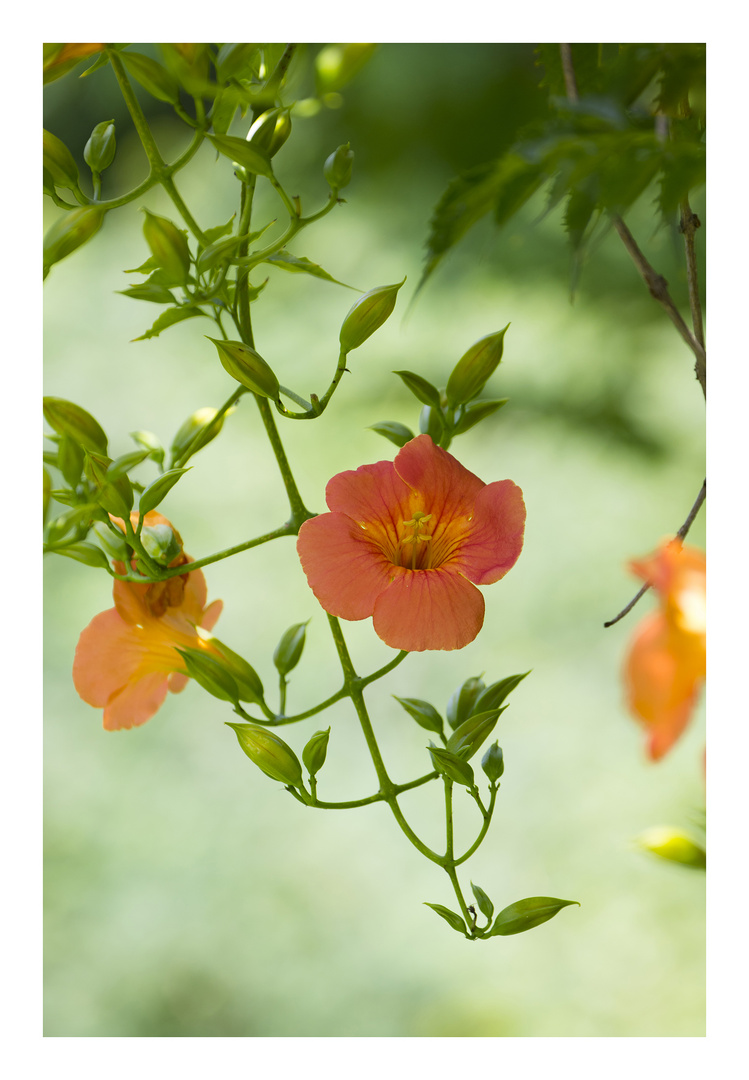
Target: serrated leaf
{"points": [[420, 388], [392, 430], [450, 917], [169, 318], [297, 264], [525, 914]]}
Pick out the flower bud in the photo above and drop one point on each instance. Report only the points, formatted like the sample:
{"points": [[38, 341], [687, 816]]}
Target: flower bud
{"points": [[493, 762], [270, 131], [66, 418], [168, 246], [289, 649], [270, 753], [160, 543], [70, 232], [472, 371], [248, 368], [673, 845], [98, 152], [60, 162], [191, 432], [249, 686], [315, 752], [339, 166], [210, 673], [114, 546], [367, 315]]}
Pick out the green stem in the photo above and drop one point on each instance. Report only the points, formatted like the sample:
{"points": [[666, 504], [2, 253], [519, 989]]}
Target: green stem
{"points": [[383, 670], [299, 512], [168, 185], [484, 828], [138, 116]]}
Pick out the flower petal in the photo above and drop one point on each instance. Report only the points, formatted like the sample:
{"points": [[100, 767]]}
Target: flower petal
{"points": [[345, 569], [447, 486], [496, 537], [661, 689], [136, 702], [428, 609]]}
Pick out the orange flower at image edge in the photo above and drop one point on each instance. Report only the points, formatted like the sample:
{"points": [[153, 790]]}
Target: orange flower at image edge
{"points": [[407, 542], [665, 667], [126, 658]]}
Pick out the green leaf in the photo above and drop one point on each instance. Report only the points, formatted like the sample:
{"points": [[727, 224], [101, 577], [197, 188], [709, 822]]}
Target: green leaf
{"points": [[297, 264], [423, 713], [432, 423], [159, 489], [451, 765], [525, 914], [152, 76], [67, 418], [122, 465], [486, 907], [217, 231], [471, 415], [392, 430], [450, 917], [244, 153], [460, 705], [169, 318], [88, 554], [468, 736], [493, 696], [158, 294], [420, 388]]}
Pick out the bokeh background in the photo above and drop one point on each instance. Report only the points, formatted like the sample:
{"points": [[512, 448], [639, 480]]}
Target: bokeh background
{"points": [[187, 894]]}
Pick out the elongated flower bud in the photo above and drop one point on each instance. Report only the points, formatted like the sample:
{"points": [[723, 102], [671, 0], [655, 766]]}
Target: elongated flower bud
{"points": [[315, 752], [70, 232], [248, 368], [270, 131], [339, 166], [98, 152], [367, 315], [493, 762], [270, 753], [472, 371]]}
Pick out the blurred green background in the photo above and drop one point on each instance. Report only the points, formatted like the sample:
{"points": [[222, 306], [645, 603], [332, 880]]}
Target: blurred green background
{"points": [[187, 894]]}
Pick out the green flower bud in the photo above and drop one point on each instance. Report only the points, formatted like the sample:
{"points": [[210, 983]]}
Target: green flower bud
{"points": [[486, 907], [288, 652], [192, 431], [367, 315], [60, 162], [270, 753], [460, 705], [70, 232], [472, 371], [493, 762], [315, 752], [150, 442], [66, 418], [160, 543], [270, 131], [248, 368], [98, 152], [673, 845], [249, 685], [168, 246], [338, 167], [210, 673], [113, 543]]}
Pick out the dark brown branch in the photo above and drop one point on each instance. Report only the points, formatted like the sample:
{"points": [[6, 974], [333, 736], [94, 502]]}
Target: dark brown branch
{"points": [[679, 536]]}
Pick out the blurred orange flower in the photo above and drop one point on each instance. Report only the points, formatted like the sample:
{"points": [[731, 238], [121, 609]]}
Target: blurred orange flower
{"points": [[407, 542], [127, 657], [666, 663]]}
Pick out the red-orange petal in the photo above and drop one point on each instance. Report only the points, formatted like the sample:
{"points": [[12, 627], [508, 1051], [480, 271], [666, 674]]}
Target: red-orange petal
{"points": [[661, 690], [428, 609], [449, 489], [371, 493], [345, 570], [495, 541]]}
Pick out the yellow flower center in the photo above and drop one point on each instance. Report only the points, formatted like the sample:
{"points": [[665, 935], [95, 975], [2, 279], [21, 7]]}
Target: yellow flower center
{"points": [[414, 550]]}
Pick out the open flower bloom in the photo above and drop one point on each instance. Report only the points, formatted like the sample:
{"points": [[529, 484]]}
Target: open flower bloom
{"points": [[407, 542], [666, 663], [126, 658]]}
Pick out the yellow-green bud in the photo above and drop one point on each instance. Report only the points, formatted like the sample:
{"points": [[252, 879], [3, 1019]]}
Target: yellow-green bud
{"points": [[60, 162], [367, 315], [210, 673], [168, 246], [160, 543], [249, 685], [338, 167], [473, 370], [66, 418], [248, 368], [70, 232], [113, 543], [289, 649], [493, 762], [316, 751], [195, 426], [98, 152], [270, 131], [674, 845], [270, 753]]}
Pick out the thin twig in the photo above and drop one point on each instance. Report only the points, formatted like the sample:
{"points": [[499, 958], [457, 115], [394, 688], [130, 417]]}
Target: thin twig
{"points": [[689, 225], [570, 83], [679, 536]]}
